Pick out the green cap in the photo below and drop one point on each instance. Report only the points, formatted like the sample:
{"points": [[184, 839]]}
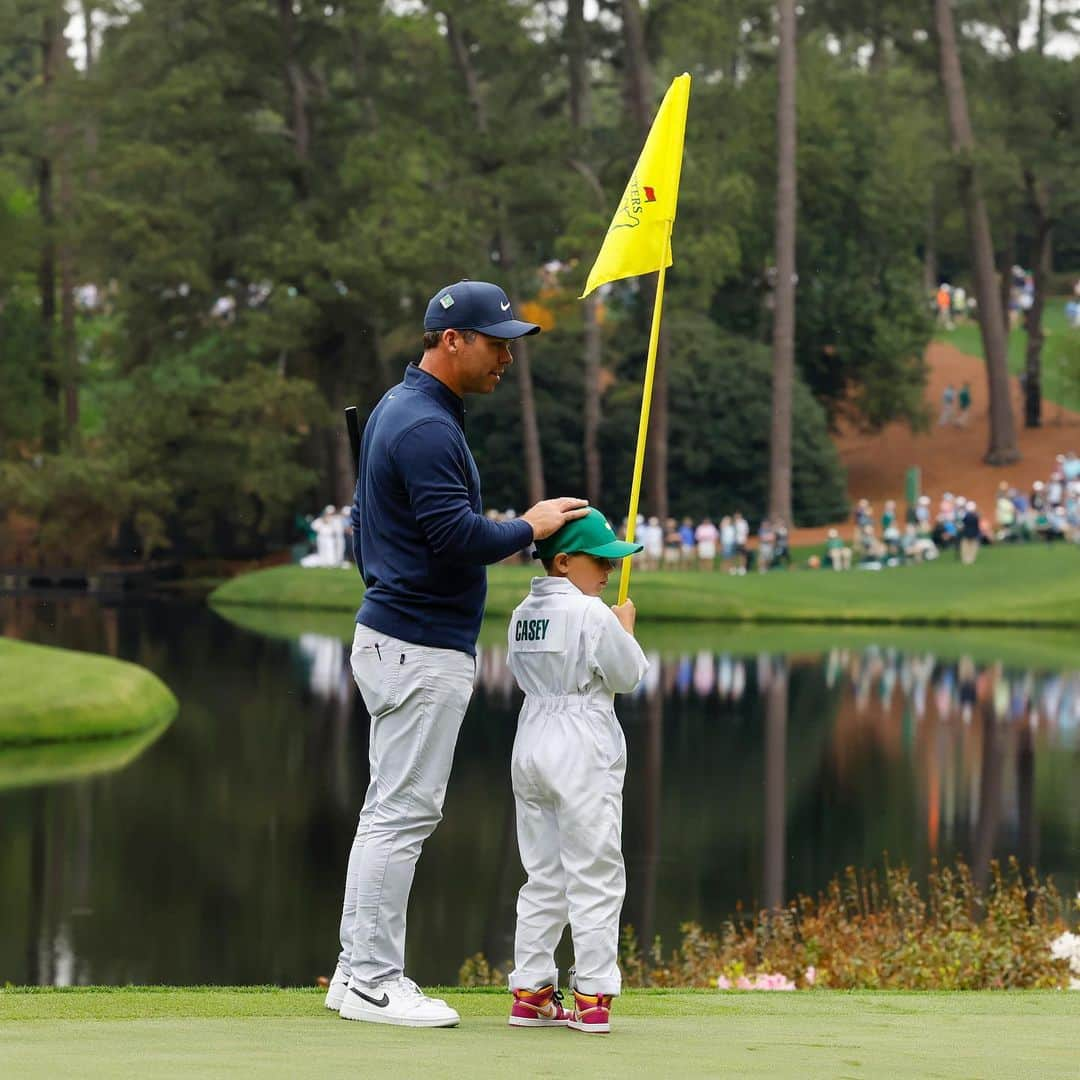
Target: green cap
{"points": [[590, 535]]}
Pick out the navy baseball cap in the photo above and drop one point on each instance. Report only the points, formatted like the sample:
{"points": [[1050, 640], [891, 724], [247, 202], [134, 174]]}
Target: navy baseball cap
{"points": [[475, 305]]}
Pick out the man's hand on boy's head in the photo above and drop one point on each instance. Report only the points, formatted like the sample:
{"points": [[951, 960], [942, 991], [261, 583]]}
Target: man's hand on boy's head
{"points": [[626, 613], [551, 515]]}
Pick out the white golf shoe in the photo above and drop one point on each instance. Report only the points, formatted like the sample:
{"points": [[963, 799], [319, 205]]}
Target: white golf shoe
{"points": [[336, 994], [397, 1001]]}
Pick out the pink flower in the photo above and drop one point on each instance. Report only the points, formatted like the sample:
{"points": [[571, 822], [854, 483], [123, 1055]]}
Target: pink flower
{"points": [[811, 975], [760, 981]]}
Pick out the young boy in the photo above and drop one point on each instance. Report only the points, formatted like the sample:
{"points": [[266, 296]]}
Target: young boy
{"points": [[571, 654]]}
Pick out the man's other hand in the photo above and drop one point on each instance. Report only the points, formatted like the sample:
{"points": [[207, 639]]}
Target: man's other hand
{"points": [[551, 515]]}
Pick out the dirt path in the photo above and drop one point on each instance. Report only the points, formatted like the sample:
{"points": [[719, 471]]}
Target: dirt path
{"points": [[950, 457]]}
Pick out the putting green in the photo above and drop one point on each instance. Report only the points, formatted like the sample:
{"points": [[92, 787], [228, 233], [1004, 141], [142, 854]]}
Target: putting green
{"points": [[287, 1033], [1022, 586], [51, 695]]}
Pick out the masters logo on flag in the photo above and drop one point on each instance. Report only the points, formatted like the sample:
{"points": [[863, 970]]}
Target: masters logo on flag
{"points": [[628, 216], [637, 240]]}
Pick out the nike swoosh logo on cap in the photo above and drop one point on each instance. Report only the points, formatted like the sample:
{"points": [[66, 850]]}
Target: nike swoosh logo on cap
{"points": [[379, 1003], [506, 306]]}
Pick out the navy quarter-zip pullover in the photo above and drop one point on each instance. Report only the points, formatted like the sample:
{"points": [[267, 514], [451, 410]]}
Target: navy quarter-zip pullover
{"points": [[421, 541]]}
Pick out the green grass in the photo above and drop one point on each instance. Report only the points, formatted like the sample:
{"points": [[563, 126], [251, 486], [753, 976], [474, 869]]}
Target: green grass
{"points": [[1056, 389], [1031, 586], [53, 695], [679, 1034]]}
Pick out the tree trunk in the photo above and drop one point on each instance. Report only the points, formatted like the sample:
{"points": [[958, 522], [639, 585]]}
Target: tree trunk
{"points": [[296, 93], [1027, 819], [638, 69], [784, 309], [652, 809], [774, 857], [878, 57], [576, 59], [576, 55], [640, 104], [1008, 258], [591, 418], [1034, 317], [1002, 449], [50, 31], [87, 7], [991, 795], [69, 346], [930, 255], [530, 428]]}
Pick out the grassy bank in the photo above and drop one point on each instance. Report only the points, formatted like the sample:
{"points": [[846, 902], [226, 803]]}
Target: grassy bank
{"points": [[287, 1033], [1056, 388], [1032, 586], [53, 695], [1055, 650]]}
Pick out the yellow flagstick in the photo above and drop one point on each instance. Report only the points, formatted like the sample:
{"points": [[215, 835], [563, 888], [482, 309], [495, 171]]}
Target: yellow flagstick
{"points": [[643, 422], [638, 241]]}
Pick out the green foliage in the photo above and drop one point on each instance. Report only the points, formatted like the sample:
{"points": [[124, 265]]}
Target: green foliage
{"points": [[864, 160], [192, 456], [720, 403], [19, 231], [78, 505], [721, 393], [22, 402], [218, 435], [325, 167]]}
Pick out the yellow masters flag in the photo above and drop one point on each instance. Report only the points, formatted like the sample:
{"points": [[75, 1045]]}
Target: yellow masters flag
{"points": [[637, 239]]}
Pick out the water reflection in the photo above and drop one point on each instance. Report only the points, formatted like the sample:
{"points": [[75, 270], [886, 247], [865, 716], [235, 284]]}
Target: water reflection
{"points": [[217, 855]]}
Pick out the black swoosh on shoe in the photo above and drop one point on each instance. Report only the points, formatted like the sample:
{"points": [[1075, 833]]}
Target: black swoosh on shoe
{"points": [[379, 1003]]}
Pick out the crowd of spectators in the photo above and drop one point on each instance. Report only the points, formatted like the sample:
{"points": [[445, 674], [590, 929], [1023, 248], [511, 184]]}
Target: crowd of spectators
{"points": [[954, 306], [327, 538], [723, 545], [1050, 512]]}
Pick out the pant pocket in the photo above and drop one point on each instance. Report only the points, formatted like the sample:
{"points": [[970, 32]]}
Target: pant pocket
{"points": [[378, 677], [609, 743]]}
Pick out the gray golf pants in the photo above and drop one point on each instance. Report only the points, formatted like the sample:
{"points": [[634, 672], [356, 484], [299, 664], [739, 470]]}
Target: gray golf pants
{"points": [[417, 697]]}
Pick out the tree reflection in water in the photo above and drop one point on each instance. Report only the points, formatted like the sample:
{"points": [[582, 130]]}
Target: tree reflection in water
{"points": [[216, 856]]}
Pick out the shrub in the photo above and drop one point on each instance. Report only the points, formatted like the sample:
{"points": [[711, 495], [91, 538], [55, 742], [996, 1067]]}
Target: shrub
{"points": [[866, 932], [870, 932]]}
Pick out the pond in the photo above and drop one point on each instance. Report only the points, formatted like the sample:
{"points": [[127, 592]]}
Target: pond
{"points": [[761, 764]]}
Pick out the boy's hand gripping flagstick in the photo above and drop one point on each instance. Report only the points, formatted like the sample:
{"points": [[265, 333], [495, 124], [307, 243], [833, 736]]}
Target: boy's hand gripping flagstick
{"points": [[638, 241]]}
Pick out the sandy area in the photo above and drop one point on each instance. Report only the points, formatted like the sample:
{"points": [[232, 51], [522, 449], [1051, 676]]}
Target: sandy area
{"points": [[950, 457]]}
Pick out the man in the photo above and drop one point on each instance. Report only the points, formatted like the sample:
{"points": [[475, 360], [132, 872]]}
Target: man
{"points": [[970, 534], [422, 544], [964, 401], [948, 402]]}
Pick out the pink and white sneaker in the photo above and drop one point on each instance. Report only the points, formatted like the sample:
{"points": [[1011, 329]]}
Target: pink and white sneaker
{"points": [[538, 1008], [592, 1013]]}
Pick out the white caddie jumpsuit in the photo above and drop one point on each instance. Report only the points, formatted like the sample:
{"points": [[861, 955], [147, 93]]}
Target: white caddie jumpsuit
{"points": [[571, 656]]}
